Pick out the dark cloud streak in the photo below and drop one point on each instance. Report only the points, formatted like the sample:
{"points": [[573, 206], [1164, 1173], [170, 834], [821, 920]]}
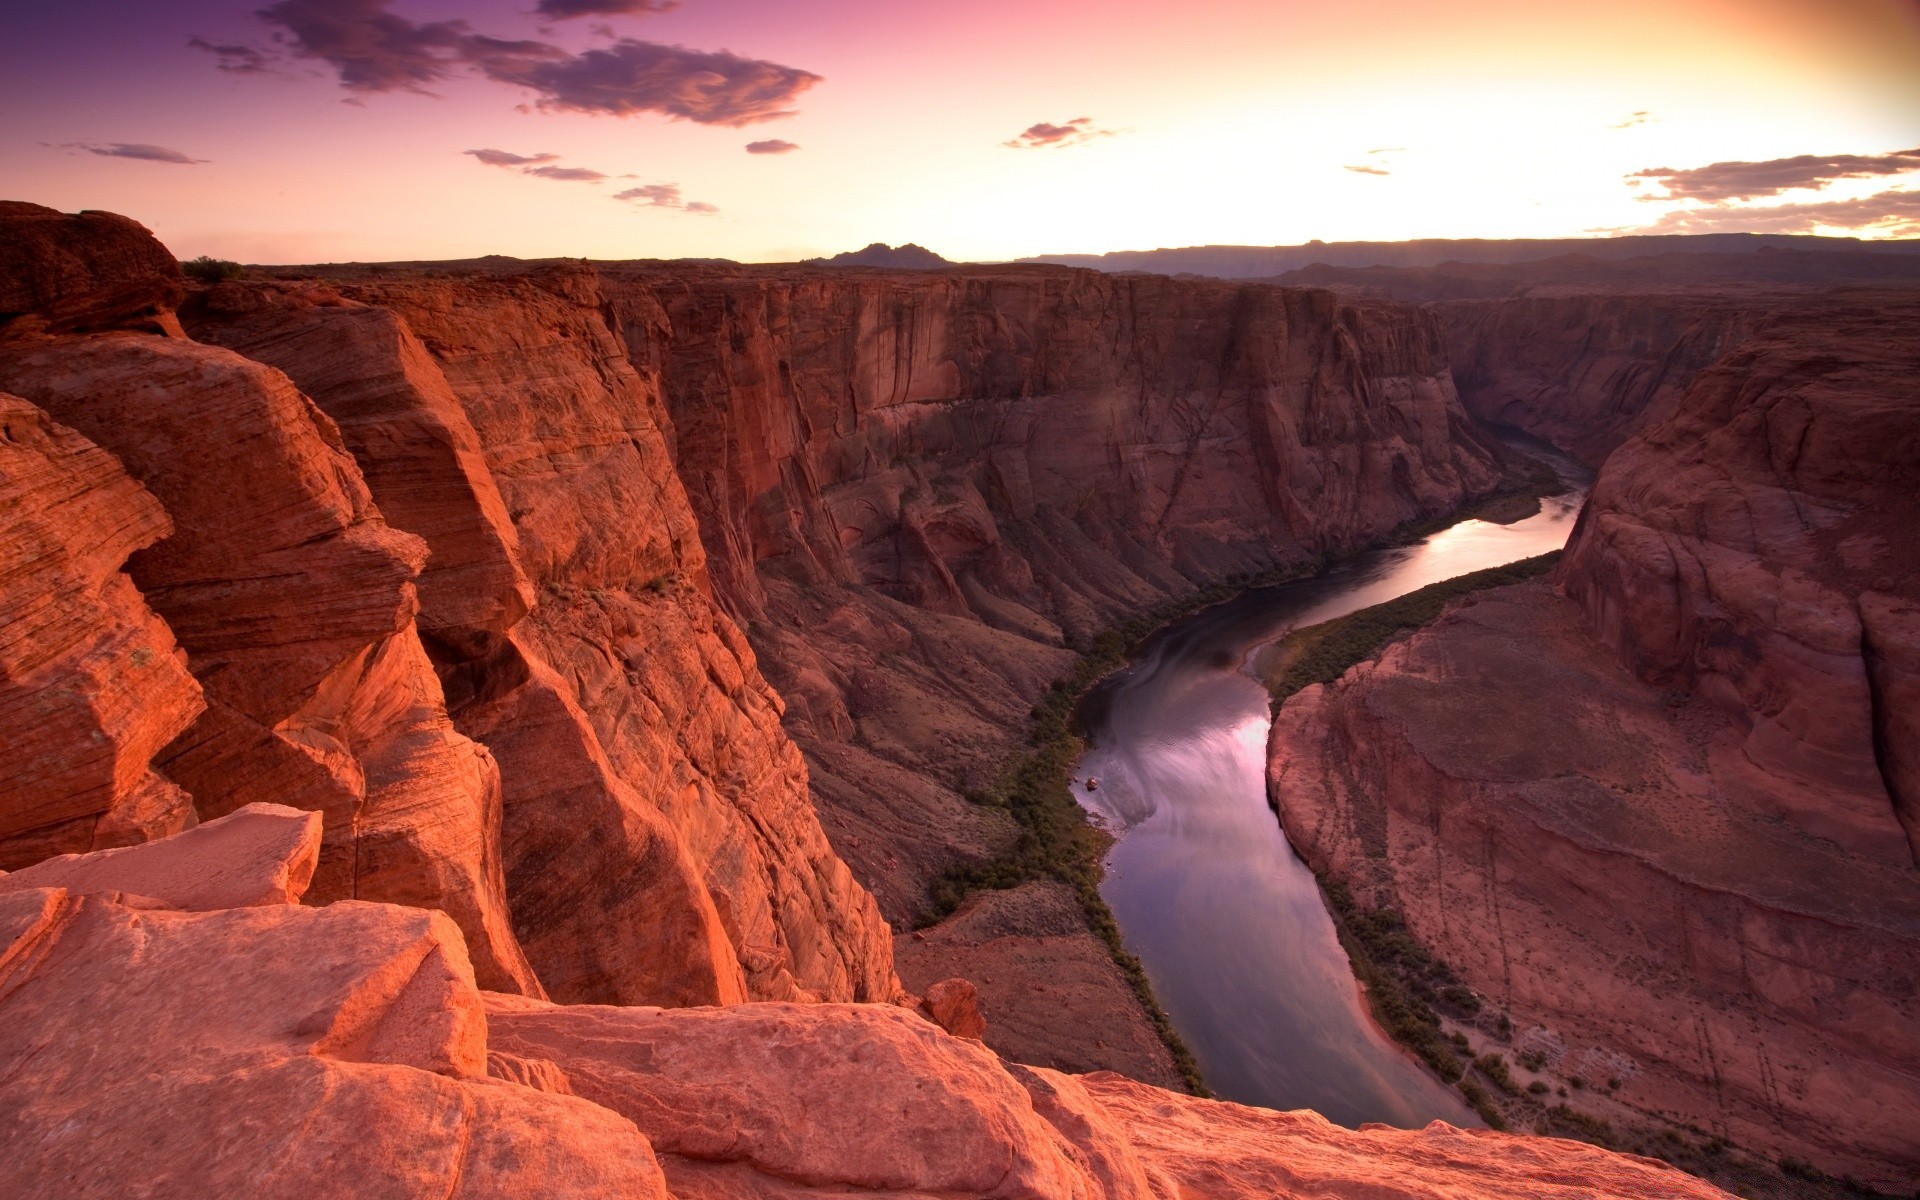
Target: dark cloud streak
{"points": [[710, 87], [563, 10], [566, 174], [235, 58], [1724, 181], [1893, 213], [372, 50], [771, 146], [663, 195], [142, 151], [503, 158]]}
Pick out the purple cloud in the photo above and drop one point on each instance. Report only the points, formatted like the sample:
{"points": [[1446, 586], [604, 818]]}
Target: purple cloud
{"points": [[708, 87], [663, 195], [561, 10], [566, 174], [771, 146], [502, 158], [372, 50], [1724, 181], [1076, 132], [235, 58], [139, 150]]}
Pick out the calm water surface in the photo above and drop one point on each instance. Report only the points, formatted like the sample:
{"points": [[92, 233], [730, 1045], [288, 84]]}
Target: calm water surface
{"points": [[1227, 920]]}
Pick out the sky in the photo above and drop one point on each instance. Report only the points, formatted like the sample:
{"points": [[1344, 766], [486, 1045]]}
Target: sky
{"points": [[771, 130]]}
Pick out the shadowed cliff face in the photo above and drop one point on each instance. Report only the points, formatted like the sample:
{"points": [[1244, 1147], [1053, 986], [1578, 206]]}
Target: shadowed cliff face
{"points": [[1664, 817], [918, 489]]}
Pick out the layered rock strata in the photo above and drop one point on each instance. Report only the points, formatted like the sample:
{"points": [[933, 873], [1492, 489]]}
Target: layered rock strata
{"points": [[659, 843], [1662, 818], [92, 685], [355, 1047], [915, 491]]}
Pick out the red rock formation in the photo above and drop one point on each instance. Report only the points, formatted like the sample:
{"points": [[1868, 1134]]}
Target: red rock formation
{"points": [[1757, 547], [1665, 823], [89, 270], [917, 487], [638, 743], [954, 1005], [1586, 372], [1202, 1148], [775, 1100], [260, 854], [91, 685], [352, 1045], [294, 602], [267, 1051]]}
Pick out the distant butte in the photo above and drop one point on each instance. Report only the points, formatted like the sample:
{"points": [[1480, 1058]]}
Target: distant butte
{"points": [[909, 257]]}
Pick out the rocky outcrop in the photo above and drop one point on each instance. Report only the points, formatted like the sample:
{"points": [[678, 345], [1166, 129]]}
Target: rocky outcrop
{"points": [[659, 841], [1756, 547], [355, 1044], [261, 854], [345, 1043], [774, 1100], [89, 270], [294, 601], [92, 686], [1662, 820]]}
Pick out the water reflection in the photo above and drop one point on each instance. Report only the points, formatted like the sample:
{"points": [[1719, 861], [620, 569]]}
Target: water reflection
{"points": [[1226, 919]]}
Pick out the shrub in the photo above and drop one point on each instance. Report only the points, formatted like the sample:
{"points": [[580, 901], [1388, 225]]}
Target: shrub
{"points": [[212, 270], [1494, 1067]]}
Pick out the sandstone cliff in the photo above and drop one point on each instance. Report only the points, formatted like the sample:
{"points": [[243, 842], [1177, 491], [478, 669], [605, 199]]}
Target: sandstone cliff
{"points": [[1586, 372], [913, 490], [1664, 820], [658, 839], [617, 810], [353, 1045]]}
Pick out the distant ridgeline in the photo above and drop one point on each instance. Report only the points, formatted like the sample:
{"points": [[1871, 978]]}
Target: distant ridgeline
{"points": [[1259, 262]]}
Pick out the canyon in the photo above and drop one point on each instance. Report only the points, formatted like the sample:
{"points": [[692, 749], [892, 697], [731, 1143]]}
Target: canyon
{"points": [[1658, 811], [648, 639]]}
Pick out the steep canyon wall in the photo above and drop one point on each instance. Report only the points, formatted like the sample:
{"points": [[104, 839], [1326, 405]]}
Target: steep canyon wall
{"points": [[1663, 815]]}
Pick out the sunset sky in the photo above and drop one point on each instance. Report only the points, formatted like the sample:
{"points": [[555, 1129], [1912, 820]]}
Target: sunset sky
{"points": [[314, 130]]}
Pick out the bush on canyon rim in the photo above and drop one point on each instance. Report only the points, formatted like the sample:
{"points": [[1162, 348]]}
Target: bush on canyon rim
{"points": [[211, 270]]}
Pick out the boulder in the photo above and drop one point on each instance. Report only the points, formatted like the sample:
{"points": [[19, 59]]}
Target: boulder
{"points": [[268, 1051], [261, 854], [87, 270]]}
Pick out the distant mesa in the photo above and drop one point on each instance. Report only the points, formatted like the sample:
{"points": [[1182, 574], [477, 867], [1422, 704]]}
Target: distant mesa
{"points": [[879, 254]]}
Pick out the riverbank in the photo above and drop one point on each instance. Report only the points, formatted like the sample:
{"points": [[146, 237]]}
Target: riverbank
{"points": [[1057, 845], [1477, 873]]}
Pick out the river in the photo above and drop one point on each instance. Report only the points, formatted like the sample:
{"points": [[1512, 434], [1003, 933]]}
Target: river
{"points": [[1227, 920]]}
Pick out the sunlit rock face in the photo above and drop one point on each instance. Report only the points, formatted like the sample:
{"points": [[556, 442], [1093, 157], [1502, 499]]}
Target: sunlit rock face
{"points": [[1664, 814], [914, 491], [657, 837], [350, 1041], [92, 685]]}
